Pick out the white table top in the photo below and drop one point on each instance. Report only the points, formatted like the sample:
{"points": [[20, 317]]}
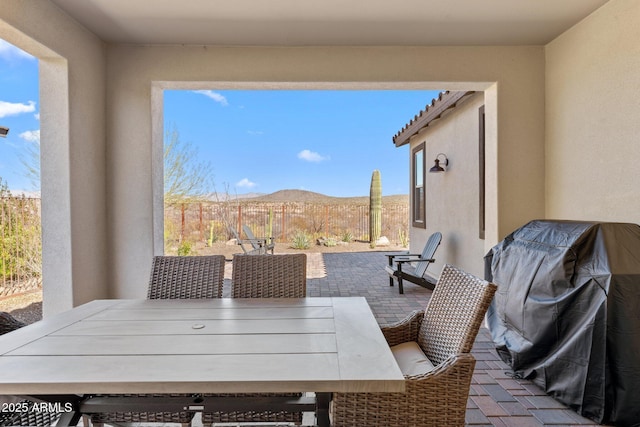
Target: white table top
{"points": [[202, 346]]}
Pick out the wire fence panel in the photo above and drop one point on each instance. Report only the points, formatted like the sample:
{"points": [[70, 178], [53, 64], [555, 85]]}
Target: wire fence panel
{"points": [[210, 221], [20, 245]]}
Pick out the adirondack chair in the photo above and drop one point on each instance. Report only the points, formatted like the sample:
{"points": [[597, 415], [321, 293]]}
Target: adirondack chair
{"points": [[413, 267], [259, 250], [265, 243]]}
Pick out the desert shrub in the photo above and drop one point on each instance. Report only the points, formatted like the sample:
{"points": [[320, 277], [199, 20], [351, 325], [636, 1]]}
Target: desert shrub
{"points": [[301, 240], [347, 236], [170, 238], [185, 248], [20, 236]]}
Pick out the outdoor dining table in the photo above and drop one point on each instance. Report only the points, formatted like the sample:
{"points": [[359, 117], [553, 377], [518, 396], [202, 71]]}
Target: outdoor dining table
{"points": [[195, 348]]}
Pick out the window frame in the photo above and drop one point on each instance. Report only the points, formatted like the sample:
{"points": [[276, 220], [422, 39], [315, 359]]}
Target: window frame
{"points": [[482, 174], [418, 192]]}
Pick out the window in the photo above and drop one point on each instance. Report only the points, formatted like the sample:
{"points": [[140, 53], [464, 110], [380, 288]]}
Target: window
{"points": [[417, 187], [481, 179]]}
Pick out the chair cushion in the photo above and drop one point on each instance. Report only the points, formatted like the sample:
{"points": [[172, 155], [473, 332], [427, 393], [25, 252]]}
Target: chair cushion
{"points": [[411, 359]]}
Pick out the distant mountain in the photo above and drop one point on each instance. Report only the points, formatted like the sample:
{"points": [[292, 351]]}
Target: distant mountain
{"points": [[223, 197], [303, 196]]}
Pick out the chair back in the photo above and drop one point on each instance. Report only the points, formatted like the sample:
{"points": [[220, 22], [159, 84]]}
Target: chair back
{"points": [[454, 314], [251, 237], [273, 276], [235, 235], [186, 277], [427, 253]]}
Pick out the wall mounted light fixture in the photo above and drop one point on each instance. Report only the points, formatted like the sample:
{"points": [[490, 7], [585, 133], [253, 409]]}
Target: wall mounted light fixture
{"points": [[4, 131], [436, 167]]}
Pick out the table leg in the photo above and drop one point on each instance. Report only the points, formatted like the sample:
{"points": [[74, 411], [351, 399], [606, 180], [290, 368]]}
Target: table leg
{"points": [[322, 409]]}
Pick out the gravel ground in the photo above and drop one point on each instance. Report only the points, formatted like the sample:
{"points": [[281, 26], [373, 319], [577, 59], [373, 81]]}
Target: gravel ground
{"points": [[28, 306]]}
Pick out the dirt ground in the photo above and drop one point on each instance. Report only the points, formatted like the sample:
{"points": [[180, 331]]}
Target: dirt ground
{"points": [[28, 306], [230, 248]]}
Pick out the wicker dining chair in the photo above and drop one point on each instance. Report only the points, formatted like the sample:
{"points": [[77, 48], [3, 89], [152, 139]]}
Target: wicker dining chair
{"points": [[274, 276], [8, 323], [190, 277], [262, 276], [445, 332], [174, 277]]}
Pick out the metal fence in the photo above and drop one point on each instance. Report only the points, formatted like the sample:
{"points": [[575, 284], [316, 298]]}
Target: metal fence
{"points": [[21, 233], [209, 221], [20, 245]]}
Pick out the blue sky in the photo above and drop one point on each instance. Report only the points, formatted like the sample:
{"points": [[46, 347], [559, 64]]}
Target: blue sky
{"points": [[324, 141], [256, 141], [19, 111]]}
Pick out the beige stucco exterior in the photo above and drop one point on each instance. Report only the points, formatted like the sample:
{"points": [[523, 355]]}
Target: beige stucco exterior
{"points": [[452, 197], [593, 117], [101, 108]]}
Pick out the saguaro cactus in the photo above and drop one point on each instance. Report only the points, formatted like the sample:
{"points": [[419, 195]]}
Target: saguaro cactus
{"points": [[375, 208]]}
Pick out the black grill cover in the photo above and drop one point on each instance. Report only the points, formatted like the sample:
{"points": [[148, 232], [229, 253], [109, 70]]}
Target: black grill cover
{"points": [[567, 313]]}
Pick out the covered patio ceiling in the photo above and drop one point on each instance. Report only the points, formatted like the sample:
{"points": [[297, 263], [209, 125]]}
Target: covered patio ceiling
{"points": [[329, 22]]}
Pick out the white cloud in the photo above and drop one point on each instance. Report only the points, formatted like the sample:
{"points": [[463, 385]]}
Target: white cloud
{"points": [[311, 156], [245, 183], [213, 95], [37, 116], [9, 52], [31, 136], [14, 108]]}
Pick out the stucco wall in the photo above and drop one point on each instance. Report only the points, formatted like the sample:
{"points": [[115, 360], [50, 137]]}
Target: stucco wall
{"points": [[593, 117], [72, 124], [512, 78], [452, 197]]}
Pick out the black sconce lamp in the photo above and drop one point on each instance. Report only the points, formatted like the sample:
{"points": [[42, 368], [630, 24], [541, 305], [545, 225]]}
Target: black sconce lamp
{"points": [[4, 131], [436, 167]]}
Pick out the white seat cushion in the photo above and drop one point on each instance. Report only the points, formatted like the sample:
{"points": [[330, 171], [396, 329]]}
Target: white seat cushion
{"points": [[411, 359]]}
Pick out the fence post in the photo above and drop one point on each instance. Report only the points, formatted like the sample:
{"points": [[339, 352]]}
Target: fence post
{"points": [[201, 229], [182, 223], [284, 232]]}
